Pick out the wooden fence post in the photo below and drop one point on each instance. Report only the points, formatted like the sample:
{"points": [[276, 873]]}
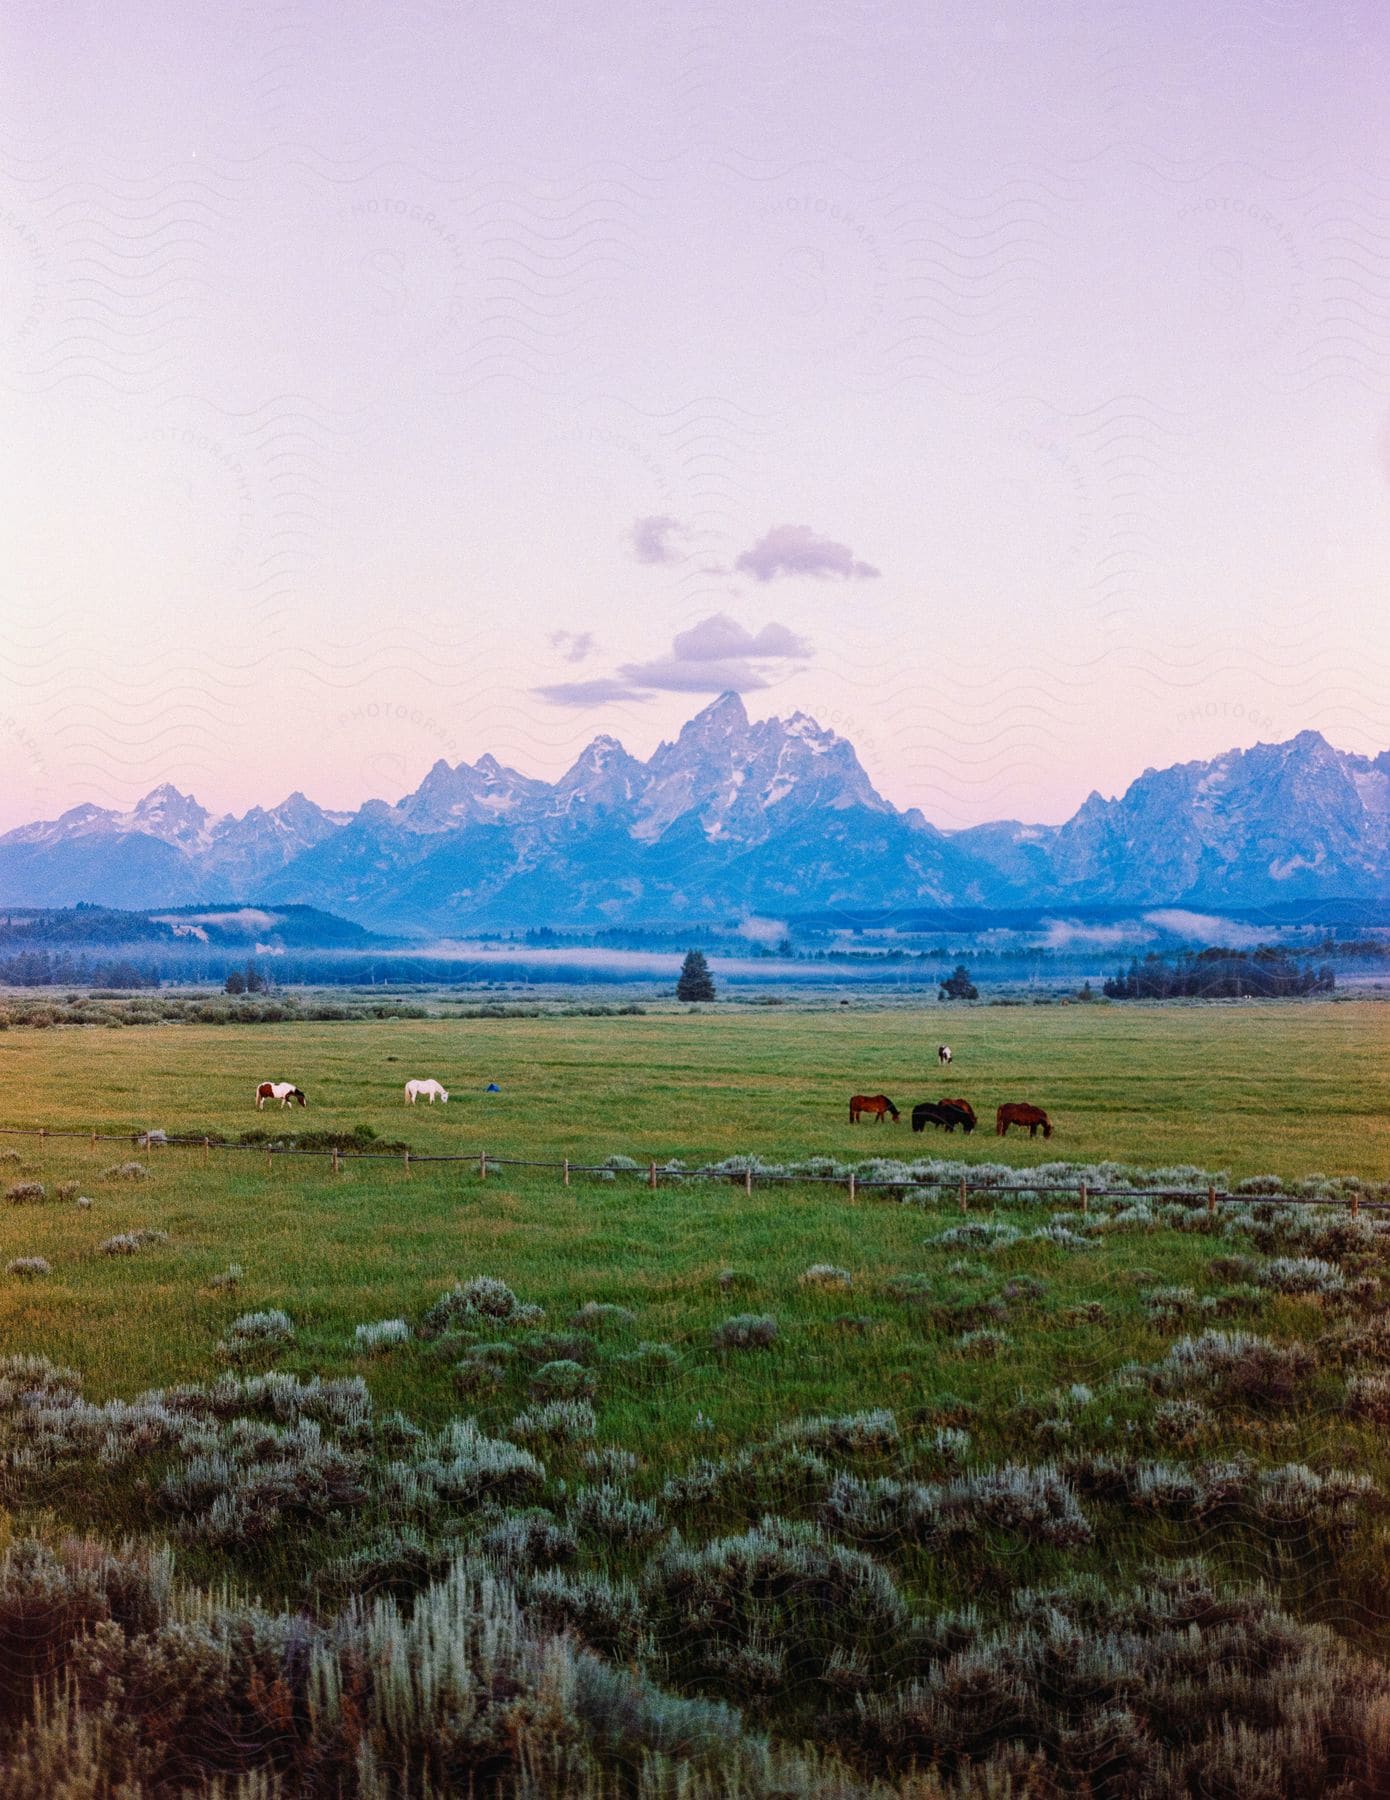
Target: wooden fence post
{"points": [[1355, 1202], [269, 1160], [407, 1162], [1211, 1201], [651, 1176], [748, 1179], [336, 1164], [567, 1171], [94, 1137], [482, 1166], [1084, 1203], [964, 1195], [851, 1187], [207, 1145]]}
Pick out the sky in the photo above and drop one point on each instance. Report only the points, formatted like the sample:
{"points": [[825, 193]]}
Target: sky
{"points": [[1008, 387]]}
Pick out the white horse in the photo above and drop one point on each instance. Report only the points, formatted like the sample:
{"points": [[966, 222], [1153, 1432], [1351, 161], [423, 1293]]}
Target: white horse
{"points": [[283, 1091], [429, 1090], [943, 1054]]}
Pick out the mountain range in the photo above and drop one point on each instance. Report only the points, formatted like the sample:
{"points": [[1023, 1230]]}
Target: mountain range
{"points": [[772, 817]]}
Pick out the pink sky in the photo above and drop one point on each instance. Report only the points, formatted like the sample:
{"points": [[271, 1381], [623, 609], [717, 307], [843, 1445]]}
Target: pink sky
{"points": [[1007, 387]]}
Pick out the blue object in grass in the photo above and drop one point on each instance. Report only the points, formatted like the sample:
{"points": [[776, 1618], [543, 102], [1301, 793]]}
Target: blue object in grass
{"points": [[492, 1088]]}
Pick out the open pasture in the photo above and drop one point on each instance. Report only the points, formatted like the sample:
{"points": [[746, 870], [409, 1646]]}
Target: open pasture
{"points": [[972, 1409], [1291, 1089]]}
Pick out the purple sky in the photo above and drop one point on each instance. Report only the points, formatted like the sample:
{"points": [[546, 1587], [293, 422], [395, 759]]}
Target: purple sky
{"points": [[1007, 386]]}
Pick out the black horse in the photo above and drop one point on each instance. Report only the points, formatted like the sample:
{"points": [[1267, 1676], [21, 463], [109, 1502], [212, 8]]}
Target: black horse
{"points": [[943, 1114]]}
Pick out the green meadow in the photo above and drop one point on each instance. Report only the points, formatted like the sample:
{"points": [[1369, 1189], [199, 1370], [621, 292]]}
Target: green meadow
{"points": [[1049, 1358]]}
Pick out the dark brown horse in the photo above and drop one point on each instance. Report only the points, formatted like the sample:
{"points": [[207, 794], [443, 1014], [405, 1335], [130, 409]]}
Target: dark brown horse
{"points": [[961, 1106], [1017, 1112], [873, 1104]]}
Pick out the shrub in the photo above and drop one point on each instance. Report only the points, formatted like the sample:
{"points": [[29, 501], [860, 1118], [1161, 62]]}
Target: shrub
{"points": [[613, 1516], [563, 1380], [481, 1299], [28, 1266], [596, 1315], [1180, 1421], [1036, 1503], [255, 1333], [1238, 1365], [1302, 1275], [126, 1171], [381, 1334], [23, 1193], [746, 1331], [399, 1563], [778, 1583], [227, 1280], [983, 1345], [528, 1540], [556, 1422], [826, 1275], [1368, 1397], [84, 1201], [599, 1609], [851, 1434]]}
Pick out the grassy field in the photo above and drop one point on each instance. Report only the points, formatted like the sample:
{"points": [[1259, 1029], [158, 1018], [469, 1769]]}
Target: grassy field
{"points": [[1246, 1087], [1027, 1345]]}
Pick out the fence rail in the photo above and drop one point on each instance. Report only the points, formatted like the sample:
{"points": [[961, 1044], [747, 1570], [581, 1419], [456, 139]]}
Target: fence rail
{"points": [[1080, 1193]]}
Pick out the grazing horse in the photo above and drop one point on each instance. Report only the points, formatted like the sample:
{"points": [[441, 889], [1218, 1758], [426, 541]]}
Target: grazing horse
{"points": [[283, 1091], [943, 1054], [875, 1105], [962, 1106], [944, 1113], [1017, 1112], [429, 1090]]}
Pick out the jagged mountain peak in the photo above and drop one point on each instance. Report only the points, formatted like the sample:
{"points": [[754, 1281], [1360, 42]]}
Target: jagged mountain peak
{"points": [[772, 815]]}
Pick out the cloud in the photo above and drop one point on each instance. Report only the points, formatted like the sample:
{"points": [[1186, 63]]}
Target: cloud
{"points": [[590, 693], [1060, 934], [720, 637], [763, 931], [717, 656], [797, 550], [1209, 928], [574, 646], [651, 539], [714, 657]]}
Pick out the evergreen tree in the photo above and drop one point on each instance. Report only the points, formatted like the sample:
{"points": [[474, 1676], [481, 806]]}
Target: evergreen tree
{"points": [[959, 986], [696, 982]]}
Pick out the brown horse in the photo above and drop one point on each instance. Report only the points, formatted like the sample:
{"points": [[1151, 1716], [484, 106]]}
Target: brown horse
{"points": [[961, 1106], [1016, 1112], [873, 1104]]}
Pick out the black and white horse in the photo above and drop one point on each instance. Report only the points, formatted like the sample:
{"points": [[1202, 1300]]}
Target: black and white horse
{"points": [[943, 1054]]}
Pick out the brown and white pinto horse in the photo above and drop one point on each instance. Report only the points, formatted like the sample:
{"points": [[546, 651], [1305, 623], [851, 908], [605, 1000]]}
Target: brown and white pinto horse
{"points": [[283, 1091], [873, 1104], [1017, 1112]]}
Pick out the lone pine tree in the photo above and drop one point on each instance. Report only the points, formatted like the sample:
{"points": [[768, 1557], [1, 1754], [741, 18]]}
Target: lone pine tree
{"points": [[696, 982]]}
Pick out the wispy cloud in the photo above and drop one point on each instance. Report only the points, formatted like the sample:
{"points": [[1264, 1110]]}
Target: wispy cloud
{"points": [[589, 693], [574, 646], [1209, 928], [651, 539], [797, 550], [716, 656]]}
